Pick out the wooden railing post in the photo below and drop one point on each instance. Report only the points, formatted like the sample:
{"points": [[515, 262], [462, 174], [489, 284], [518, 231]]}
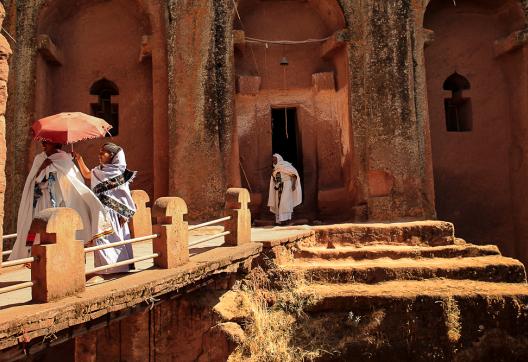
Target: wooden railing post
{"points": [[236, 206], [141, 223], [58, 269], [172, 245]]}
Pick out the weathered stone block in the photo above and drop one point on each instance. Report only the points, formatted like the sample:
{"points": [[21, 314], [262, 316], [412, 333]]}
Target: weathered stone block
{"points": [[380, 183], [221, 340], [430, 233], [239, 37], [332, 202], [86, 347], [428, 36], [380, 208], [172, 245], [146, 48], [513, 41], [141, 223], [49, 50], [323, 81], [58, 269], [5, 53], [239, 226], [249, 85], [135, 335], [256, 202], [336, 41]]}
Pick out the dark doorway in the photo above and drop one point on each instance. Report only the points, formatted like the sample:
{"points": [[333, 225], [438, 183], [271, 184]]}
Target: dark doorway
{"points": [[285, 136], [105, 109]]}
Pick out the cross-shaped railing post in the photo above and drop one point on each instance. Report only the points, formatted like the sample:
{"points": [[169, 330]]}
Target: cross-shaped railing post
{"points": [[239, 226], [172, 245], [58, 269], [141, 223]]}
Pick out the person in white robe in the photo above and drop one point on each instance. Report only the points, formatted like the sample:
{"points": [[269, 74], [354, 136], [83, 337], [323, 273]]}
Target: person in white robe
{"points": [[110, 183], [55, 181], [285, 189]]}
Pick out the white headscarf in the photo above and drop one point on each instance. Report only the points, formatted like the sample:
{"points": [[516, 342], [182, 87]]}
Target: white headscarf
{"points": [[110, 170], [284, 166]]}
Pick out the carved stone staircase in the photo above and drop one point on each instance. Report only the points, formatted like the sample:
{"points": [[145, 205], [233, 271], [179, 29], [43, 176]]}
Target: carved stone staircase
{"points": [[412, 292]]}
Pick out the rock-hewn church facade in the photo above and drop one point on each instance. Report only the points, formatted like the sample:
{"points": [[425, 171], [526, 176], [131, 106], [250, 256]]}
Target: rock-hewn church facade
{"points": [[390, 109]]}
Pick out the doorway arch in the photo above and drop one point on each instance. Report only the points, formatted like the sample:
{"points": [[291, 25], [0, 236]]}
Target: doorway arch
{"points": [[286, 68]]}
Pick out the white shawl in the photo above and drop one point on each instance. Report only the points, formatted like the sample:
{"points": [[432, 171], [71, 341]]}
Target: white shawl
{"points": [[75, 193], [285, 168], [119, 194]]}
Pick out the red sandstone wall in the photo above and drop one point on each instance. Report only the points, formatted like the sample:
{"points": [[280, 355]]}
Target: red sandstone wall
{"points": [[322, 114], [285, 20], [32, 82], [385, 94], [472, 174], [102, 40], [175, 330], [20, 106], [203, 153], [518, 167], [376, 91], [5, 52]]}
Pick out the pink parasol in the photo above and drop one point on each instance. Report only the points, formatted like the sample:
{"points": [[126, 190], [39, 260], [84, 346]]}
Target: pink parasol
{"points": [[69, 127]]}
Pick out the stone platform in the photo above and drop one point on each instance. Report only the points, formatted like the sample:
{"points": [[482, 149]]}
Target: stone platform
{"points": [[21, 320], [412, 289]]}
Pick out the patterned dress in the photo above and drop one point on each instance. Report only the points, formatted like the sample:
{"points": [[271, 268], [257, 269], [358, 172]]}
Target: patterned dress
{"points": [[110, 185]]}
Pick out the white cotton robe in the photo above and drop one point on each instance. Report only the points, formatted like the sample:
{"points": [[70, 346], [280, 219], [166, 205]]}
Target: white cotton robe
{"points": [[282, 205], [69, 191], [119, 195]]}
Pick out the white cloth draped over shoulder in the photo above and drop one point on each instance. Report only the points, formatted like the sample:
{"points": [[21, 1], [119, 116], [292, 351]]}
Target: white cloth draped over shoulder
{"points": [[110, 182], [71, 192], [282, 202]]}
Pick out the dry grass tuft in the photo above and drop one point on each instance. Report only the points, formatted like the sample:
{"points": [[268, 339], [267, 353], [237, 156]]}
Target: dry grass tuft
{"points": [[275, 324], [452, 318]]}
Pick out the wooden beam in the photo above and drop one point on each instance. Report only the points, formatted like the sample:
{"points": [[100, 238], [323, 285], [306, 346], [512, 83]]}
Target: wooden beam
{"points": [[239, 40], [49, 50], [428, 36], [514, 41], [239, 37], [146, 48], [336, 41]]}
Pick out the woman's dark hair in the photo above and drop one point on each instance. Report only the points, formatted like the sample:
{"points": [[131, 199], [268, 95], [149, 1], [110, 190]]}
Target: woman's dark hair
{"points": [[111, 148], [56, 145]]}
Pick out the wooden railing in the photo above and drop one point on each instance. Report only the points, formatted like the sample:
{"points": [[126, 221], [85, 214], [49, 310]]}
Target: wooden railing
{"points": [[7, 237], [58, 262]]}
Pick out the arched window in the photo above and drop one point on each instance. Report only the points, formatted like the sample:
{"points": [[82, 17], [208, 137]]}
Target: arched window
{"points": [[457, 108], [104, 108]]}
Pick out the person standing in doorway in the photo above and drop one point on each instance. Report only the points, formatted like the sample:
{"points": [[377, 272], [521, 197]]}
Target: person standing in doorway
{"points": [[285, 190]]}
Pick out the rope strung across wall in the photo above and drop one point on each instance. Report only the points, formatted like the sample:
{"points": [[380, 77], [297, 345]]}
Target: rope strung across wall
{"points": [[9, 35], [286, 42]]}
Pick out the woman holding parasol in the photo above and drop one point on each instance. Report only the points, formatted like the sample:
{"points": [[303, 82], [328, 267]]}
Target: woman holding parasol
{"points": [[55, 181]]}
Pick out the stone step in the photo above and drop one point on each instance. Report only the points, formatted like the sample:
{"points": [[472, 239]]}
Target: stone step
{"points": [[407, 320], [331, 297], [432, 233], [394, 252], [485, 268]]}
